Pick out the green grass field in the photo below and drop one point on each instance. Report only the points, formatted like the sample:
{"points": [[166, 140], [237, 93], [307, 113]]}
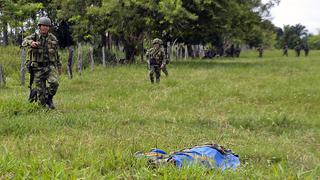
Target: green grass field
{"points": [[266, 110]]}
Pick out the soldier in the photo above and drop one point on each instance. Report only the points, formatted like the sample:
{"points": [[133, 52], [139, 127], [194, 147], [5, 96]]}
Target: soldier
{"points": [[285, 50], [260, 50], [306, 49], [44, 61], [237, 51], [156, 60], [297, 49]]}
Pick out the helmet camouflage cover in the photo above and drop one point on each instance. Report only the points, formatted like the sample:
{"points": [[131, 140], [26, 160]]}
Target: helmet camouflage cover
{"points": [[44, 21], [157, 41]]}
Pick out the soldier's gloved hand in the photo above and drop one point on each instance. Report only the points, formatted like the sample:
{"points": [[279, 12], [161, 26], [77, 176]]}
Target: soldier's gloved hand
{"points": [[34, 44], [162, 66]]}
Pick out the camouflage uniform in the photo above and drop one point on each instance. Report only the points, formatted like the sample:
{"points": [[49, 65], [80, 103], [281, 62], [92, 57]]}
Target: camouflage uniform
{"points": [[297, 49], [45, 62], [306, 49], [260, 50], [156, 58], [285, 50]]}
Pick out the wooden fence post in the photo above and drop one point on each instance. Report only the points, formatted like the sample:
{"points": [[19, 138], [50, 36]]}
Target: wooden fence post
{"points": [[79, 66], [2, 77], [104, 56], [22, 67], [70, 62], [91, 58]]}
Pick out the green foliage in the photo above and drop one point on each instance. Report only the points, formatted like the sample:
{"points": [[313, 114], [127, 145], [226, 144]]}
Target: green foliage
{"points": [[10, 61], [292, 35], [314, 42], [13, 15], [266, 110], [131, 22]]}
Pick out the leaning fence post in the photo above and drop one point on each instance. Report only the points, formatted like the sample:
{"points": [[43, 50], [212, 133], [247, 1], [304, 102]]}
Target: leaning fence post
{"points": [[22, 67], [70, 62], [2, 77], [79, 66]]}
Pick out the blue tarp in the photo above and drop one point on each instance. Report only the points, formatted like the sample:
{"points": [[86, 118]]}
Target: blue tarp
{"points": [[212, 156]]}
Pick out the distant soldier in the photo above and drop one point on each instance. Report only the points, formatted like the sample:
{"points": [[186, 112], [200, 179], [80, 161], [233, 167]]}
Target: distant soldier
{"points": [[285, 50], [260, 50], [232, 50], [156, 60], [209, 53], [237, 51], [306, 49], [44, 62], [297, 49]]}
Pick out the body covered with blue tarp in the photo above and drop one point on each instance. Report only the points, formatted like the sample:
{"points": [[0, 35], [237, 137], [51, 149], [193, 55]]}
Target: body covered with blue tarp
{"points": [[210, 156]]}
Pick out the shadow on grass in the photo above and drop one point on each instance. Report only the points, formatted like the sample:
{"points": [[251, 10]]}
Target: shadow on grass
{"points": [[225, 63], [276, 125]]}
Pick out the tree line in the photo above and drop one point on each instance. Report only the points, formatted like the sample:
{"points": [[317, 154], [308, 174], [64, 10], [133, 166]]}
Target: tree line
{"points": [[133, 23]]}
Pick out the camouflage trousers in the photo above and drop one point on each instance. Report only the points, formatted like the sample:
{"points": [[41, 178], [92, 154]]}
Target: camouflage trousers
{"points": [[154, 69], [43, 75]]}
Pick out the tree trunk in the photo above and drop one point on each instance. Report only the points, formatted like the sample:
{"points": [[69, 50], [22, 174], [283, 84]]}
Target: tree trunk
{"points": [[5, 33], [193, 51], [12, 36], [20, 36], [185, 52], [129, 52], [79, 66], [201, 51], [70, 62], [91, 58], [190, 50], [2, 77], [103, 38], [142, 51], [117, 45], [22, 65], [169, 50], [109, 41]]}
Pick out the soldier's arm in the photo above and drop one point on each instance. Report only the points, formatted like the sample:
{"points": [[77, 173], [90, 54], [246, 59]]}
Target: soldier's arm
{"points": [[28, 40]]}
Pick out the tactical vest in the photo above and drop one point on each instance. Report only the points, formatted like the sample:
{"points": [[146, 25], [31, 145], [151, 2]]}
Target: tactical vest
{"points": [[47, 50], [156, 55]]}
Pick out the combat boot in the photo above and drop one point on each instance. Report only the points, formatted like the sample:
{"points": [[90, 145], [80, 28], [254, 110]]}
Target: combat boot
{"points": [[152, 79], [50, 102]]}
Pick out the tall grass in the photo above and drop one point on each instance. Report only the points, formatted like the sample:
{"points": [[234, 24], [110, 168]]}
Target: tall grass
{"points": [[266, 110]]}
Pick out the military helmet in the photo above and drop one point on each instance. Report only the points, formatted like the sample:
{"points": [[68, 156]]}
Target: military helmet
{"points": [[157, 41], [44, 21]]}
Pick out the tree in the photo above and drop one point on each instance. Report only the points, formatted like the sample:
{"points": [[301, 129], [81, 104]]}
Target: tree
{"points": [[314, 42], [14, 13], [292, 35]]}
